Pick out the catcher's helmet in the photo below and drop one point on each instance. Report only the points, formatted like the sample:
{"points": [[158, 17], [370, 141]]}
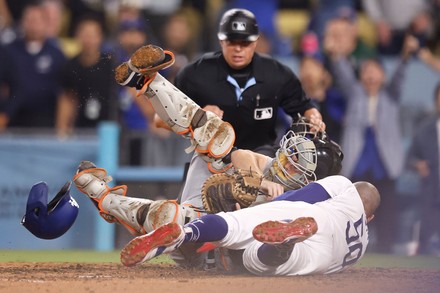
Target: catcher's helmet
{"points": [[329, 153], [238, 24], [53, 219], [329, 156]]}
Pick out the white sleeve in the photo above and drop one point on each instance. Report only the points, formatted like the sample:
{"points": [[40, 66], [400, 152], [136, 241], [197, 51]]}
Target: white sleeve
{"points": [[335, 185]]}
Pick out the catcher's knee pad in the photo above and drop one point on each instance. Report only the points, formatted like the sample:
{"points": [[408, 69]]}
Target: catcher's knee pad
{"points": [[213, 136], [162, 212]]}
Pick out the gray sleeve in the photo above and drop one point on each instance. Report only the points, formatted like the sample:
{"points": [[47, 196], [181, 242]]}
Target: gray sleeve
{"points": [[344, 76], [373, 9]]}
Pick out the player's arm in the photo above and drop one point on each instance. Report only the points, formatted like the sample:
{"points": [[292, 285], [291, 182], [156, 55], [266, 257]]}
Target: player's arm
{"points": [[248, 160]]}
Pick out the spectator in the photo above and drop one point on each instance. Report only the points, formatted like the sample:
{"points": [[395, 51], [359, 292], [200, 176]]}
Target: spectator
{"points": [[424, 53], [371, 137], [54, 12], [318, 85], [180, 37], [326, 10], [37, 64], [424, 158], [343, 30], [87, 81], [78, 8], [393, 19]]}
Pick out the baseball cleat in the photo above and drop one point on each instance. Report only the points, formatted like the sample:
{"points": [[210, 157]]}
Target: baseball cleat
{"points": [[164, 239], [277, 232], [142, 67]]}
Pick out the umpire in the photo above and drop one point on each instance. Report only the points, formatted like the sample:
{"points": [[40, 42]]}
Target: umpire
{"points": [[245, 88]]}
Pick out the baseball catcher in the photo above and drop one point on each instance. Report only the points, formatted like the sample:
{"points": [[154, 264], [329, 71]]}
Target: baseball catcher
{"points": [[209, 135]]}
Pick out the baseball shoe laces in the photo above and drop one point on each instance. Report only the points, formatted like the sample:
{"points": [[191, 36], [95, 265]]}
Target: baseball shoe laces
{"points": [[279, 232], [165, 239]]}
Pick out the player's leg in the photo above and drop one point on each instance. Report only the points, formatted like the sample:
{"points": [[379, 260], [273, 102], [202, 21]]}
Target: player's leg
{"points": [[172, 236], [208, 133], [197, 174], [229, 230], [138, 215]]}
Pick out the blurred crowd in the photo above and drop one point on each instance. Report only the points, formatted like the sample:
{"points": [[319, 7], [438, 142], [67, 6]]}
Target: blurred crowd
{"points": [[57, 59]]}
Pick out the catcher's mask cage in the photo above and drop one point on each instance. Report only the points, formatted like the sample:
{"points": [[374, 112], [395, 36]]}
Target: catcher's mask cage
{"points": [[300, 152], [329, 153], [53, 219]]}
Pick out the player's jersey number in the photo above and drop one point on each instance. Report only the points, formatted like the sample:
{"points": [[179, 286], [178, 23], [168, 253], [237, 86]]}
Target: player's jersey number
{"points": [[352, 234]]}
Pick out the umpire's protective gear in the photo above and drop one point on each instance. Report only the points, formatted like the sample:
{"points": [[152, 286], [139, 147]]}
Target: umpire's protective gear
{"points": [[238, 24]]}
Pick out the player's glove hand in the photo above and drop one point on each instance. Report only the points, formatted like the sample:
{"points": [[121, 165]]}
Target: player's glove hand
{"points": [[221, 192]]}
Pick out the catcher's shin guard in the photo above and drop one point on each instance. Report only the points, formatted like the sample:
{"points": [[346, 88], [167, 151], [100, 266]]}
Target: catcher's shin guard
{"points": [[92, 181], [126, 210], [112, 203], [208, 133]]}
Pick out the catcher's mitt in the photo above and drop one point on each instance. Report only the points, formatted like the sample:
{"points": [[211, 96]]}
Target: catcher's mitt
{"points": [[221, 192]]}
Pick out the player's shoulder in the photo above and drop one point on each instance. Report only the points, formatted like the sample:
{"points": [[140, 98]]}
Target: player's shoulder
{"points": [[335, 184]]}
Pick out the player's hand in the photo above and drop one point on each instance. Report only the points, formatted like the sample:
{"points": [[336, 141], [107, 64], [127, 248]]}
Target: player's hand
{"points": [[422, 168], [315, 119], [411, 45], [272, 189], [214, 109]]}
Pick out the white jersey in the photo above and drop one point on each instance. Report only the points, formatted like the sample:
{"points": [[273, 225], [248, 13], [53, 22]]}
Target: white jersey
{"points": [[340, 241]]}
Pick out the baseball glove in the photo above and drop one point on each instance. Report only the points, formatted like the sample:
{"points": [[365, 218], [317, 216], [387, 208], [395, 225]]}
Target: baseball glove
{"points": [[221, 192]]}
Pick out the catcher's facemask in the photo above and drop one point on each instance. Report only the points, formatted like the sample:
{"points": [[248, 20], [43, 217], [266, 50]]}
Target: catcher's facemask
{"points": [[53, 219], [300, 153]]}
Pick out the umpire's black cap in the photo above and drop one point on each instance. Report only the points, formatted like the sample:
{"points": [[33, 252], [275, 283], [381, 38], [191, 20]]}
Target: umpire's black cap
{"points": [[238, 24]]}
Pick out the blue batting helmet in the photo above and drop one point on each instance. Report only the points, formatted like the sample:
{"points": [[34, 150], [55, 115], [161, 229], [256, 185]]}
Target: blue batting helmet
{"points": [[53, 219]]}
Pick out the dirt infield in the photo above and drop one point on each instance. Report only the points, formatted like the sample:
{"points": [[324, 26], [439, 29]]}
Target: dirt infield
{"points": [[162, 278]]}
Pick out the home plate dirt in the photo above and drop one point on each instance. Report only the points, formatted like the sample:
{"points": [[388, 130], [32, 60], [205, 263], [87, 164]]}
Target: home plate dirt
{"points": [[162, 278]]}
